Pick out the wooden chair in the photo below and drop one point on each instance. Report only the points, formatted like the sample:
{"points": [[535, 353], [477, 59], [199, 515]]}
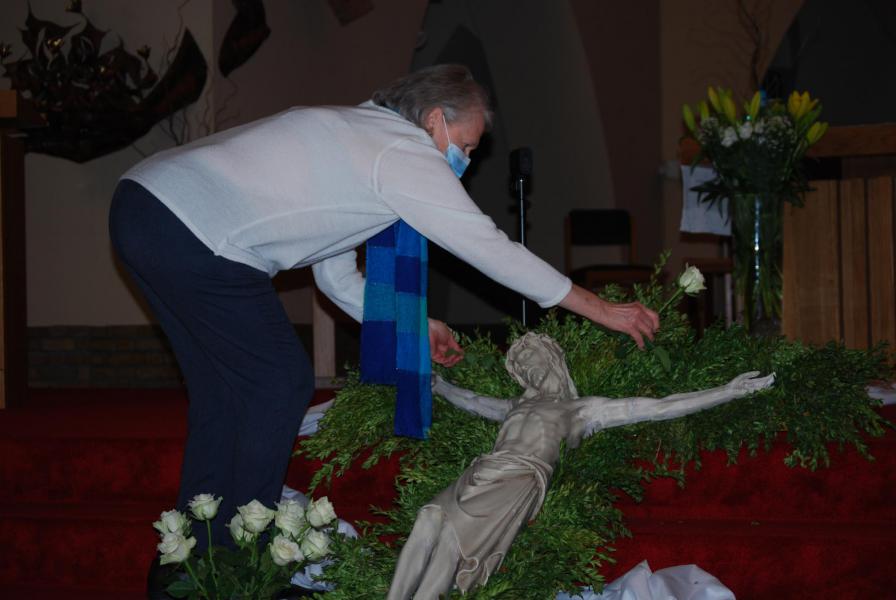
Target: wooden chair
{"points": [[604, 228]]}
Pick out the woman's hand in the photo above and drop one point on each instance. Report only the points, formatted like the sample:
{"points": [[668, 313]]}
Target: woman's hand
{"points": [[633, 318], [443, 348]]}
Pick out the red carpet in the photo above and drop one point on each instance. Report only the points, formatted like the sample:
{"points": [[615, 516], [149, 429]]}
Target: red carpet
{"points": [[85, 472]]}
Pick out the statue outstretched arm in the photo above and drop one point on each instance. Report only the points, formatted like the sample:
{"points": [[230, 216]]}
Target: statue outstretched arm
{"points": [[483, 406], [602, 413]]}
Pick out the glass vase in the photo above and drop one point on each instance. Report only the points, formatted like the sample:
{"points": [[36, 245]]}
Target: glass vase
{"points": [[757, 261]]}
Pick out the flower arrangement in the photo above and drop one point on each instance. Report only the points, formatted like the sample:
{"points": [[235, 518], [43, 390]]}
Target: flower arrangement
{"points": [[294, 535], [757, 157], [759, 151]]}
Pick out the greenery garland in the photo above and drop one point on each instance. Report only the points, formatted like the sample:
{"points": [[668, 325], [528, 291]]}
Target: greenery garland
{"points": [[819, 397]]}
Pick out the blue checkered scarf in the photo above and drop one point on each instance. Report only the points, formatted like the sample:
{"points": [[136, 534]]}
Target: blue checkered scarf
{"points": [[395, 330]]}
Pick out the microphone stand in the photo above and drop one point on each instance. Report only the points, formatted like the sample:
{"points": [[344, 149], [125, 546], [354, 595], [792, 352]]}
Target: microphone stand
{"points": [[521, 187], [520, 171]]}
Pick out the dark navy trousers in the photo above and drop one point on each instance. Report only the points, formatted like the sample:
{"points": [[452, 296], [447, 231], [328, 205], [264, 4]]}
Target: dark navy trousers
{"points": [[248, 378]]}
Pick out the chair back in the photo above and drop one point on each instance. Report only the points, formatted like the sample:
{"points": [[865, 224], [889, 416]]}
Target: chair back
{"points": [[598, 227]]}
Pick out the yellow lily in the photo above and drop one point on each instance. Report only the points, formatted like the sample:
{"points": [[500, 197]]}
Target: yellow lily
{"points": [[688, 115], [804, 105], [812, 105], [793, 104], [704, 110], [714, 99], [729, 108], [753, 107], [815, 132]]}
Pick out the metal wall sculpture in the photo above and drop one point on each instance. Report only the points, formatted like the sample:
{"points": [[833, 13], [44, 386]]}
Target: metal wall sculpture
{"points": [[95, 101], [246, 33]]}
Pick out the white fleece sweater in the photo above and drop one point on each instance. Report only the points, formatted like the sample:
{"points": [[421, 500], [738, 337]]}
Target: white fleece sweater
{"points": [[308, 185]]}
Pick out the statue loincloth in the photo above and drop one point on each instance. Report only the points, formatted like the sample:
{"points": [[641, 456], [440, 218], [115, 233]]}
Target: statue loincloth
{"points": [[487, 506]]}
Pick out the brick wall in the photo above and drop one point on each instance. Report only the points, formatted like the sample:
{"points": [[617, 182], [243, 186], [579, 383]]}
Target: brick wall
{"points": [[139, 356], [129, 356], [115, 356]]}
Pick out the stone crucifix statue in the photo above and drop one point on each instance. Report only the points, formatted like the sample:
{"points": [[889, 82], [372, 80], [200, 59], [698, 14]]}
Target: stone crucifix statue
{"points": [[463, 534]]}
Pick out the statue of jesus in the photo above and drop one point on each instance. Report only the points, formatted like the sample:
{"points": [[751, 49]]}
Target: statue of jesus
{"points": [[463, 534]]}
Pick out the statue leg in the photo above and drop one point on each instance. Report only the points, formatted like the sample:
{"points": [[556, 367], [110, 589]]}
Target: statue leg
{"points": [[442, 569], [415, 556]]}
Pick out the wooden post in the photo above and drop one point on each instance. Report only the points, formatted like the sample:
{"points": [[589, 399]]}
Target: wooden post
{"points": [[13, 318], [324, 339], [810, 270], [840, 248], [882, 261]]}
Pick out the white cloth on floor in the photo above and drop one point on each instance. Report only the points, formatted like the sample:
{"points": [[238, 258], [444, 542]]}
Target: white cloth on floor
{"points": [[685, 582], [312, 418], [885, 392], [700, 217]]}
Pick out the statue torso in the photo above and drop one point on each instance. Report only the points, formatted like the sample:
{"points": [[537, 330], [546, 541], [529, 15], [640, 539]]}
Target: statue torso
{"points": [[536, 427]]}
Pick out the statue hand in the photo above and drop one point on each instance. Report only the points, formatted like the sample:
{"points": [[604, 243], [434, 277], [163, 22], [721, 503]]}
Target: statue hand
{"points": [[747, 383], [436, 380]]}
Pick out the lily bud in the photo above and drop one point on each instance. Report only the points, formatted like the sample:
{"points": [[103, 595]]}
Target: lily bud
{"points": [[815, 132], [704, 110], [793, 104], [804, 106], [688, 115], [714, 99], [753, 109], [729, 108]]}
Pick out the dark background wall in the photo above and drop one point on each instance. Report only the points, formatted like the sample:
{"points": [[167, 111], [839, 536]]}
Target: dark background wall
{"points": [[843, 52], [629, 100], [531, 56], [594, 88]]}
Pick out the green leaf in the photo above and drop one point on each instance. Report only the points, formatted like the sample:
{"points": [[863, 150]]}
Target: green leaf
{"points": [[181, 588], [663, 356]]}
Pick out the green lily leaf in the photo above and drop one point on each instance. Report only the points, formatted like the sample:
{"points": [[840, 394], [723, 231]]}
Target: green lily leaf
{"points": [[663, 356]]}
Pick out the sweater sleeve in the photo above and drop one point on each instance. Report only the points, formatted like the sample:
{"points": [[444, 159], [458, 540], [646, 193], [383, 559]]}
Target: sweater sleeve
{"points": [[338, 278], [415, 181]]}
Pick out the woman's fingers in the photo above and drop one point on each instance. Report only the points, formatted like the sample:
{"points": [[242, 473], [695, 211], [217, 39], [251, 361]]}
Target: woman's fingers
{"points": [[636, 320], [443, 348]]}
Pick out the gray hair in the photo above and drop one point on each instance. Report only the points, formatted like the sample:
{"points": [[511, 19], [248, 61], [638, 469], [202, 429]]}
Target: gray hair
{"points": [[449, 87]]}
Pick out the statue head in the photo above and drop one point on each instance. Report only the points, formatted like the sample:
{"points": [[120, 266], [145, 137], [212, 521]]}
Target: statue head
{"points": [[537, 363]]}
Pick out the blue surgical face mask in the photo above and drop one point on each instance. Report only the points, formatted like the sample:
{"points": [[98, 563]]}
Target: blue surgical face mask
{"points": [[457, 160]]}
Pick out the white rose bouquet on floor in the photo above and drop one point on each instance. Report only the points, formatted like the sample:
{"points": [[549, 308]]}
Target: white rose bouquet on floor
{"points": [[271, 545]]}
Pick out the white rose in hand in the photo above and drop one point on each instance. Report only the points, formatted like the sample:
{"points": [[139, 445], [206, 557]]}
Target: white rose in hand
{"points": [[204, 506], [316, 545], [175, 548], [285, 551], [692, 281], [290, 517], [171, 521], [320, 512], [256, 516]]}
